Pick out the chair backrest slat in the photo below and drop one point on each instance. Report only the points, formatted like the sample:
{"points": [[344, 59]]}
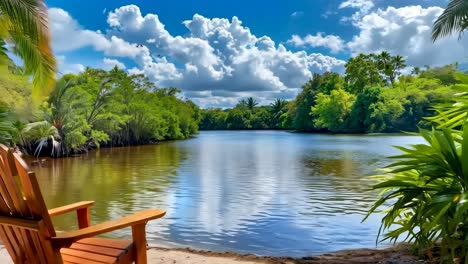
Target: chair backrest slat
{"points": [[11, 243], [33, 193], [29, 246], [37, 242], [12, 195], [25, 224]]}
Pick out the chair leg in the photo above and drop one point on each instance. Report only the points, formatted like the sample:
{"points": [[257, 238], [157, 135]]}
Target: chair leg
{"points": [[139, 241]]}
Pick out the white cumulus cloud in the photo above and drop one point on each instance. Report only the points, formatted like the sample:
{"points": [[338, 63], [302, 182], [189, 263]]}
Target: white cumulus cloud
{"points": [[363, 5], [219, 60], [407, 31], [334, 43], [363, 8], [111, 63], [64, 67]]}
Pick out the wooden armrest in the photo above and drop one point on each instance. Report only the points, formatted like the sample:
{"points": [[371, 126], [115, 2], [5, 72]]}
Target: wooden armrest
{"points": [[69, 208], [131, 220]]}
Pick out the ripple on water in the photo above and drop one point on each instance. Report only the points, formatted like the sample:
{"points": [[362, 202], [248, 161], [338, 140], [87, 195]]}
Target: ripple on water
{"points": [[261, 192]]}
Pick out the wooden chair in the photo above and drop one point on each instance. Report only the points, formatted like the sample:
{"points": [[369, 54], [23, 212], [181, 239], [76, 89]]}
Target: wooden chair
{"points": [[29, 236]]}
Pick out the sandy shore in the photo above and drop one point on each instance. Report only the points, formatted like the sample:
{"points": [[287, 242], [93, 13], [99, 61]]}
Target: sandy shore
{"points": [[400, 254]]}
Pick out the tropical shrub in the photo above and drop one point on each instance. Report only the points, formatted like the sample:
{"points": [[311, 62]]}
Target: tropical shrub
{"points": [[7, 129], [425, 191], [332, 110]]}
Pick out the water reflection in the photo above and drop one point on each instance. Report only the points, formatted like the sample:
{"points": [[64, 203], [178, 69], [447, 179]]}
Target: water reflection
{"points": [[265, 192], [120, 180]]}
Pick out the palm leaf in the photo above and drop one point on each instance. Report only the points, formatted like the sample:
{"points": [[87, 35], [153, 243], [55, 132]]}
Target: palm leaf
{"points": [[25, 24], [453, 19], [38, 62]]}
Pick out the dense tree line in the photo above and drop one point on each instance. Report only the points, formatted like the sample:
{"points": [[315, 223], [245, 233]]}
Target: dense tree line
{"points": [[246, 115], [423, 192], [372, 96], [95, 108]]}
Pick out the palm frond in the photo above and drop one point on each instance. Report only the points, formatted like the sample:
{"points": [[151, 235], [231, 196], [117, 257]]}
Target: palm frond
{"points": [[28, 15], [40, 134], [453, 19], [38, 61], [25, 24]]}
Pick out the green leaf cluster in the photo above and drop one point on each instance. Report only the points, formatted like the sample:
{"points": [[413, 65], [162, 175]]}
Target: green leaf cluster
{"points": [[107, 108], [424, 192], [246, 115], [372, 97]]}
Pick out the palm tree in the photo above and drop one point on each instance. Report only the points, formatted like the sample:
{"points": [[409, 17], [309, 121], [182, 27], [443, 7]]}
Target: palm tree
{"points": [[251, 103], [38, 135], [416, 71], [384, 63], [453, 19], [24, 25], [62, 129], [278, 107], [398, 63], [242, 103]]}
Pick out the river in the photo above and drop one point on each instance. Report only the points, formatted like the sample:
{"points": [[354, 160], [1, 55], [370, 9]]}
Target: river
{"points": [[262, 192]]}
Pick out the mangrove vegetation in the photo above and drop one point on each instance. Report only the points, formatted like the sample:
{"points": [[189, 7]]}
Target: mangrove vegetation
{"points": [[91, 109], [372, 96]]}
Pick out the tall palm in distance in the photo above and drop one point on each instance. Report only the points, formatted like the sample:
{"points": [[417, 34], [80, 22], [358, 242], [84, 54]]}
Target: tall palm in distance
{"points": [[384, 60], [454, 19], [390, 66], [278, 107], [251, 103], [398, 63], [24, 26]]}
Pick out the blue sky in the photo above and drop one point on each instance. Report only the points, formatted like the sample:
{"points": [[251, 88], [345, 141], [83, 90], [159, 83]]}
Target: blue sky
{"points": [[220, 51]]}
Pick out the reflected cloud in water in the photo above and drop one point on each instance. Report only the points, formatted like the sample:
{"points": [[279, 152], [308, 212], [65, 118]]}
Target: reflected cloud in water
{"points": [[262, 192]]}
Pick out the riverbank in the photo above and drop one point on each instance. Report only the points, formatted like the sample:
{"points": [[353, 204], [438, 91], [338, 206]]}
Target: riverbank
{"points": [[398, 254]]}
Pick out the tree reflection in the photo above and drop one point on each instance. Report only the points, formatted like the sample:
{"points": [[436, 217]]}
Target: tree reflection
{"points": [[120, 180]]}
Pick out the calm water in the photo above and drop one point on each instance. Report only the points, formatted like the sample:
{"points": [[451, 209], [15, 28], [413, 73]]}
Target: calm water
{"points": [[261, 192]]}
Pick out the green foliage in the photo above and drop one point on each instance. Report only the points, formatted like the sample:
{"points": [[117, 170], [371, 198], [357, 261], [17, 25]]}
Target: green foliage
{"points": [[444, 74], [251, 103], [427, 185], [372, 70], [213, 119], [426, 190], [24, 24], [395, 103], [246, 115], [372, 112], [15, 91], [300, 110], [452, 20], [453, 114], [362, 71], [239, 118], [109, 108], [37, 136], [332, 110], [7, 129], [261, 119], [277, 109]]}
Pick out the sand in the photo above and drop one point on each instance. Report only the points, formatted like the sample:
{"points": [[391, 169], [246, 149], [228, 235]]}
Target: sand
{"points": [[189, 256], [179, 256]]}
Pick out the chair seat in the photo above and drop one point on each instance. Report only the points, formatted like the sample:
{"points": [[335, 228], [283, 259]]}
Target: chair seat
{"points": [[98, 250]]}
